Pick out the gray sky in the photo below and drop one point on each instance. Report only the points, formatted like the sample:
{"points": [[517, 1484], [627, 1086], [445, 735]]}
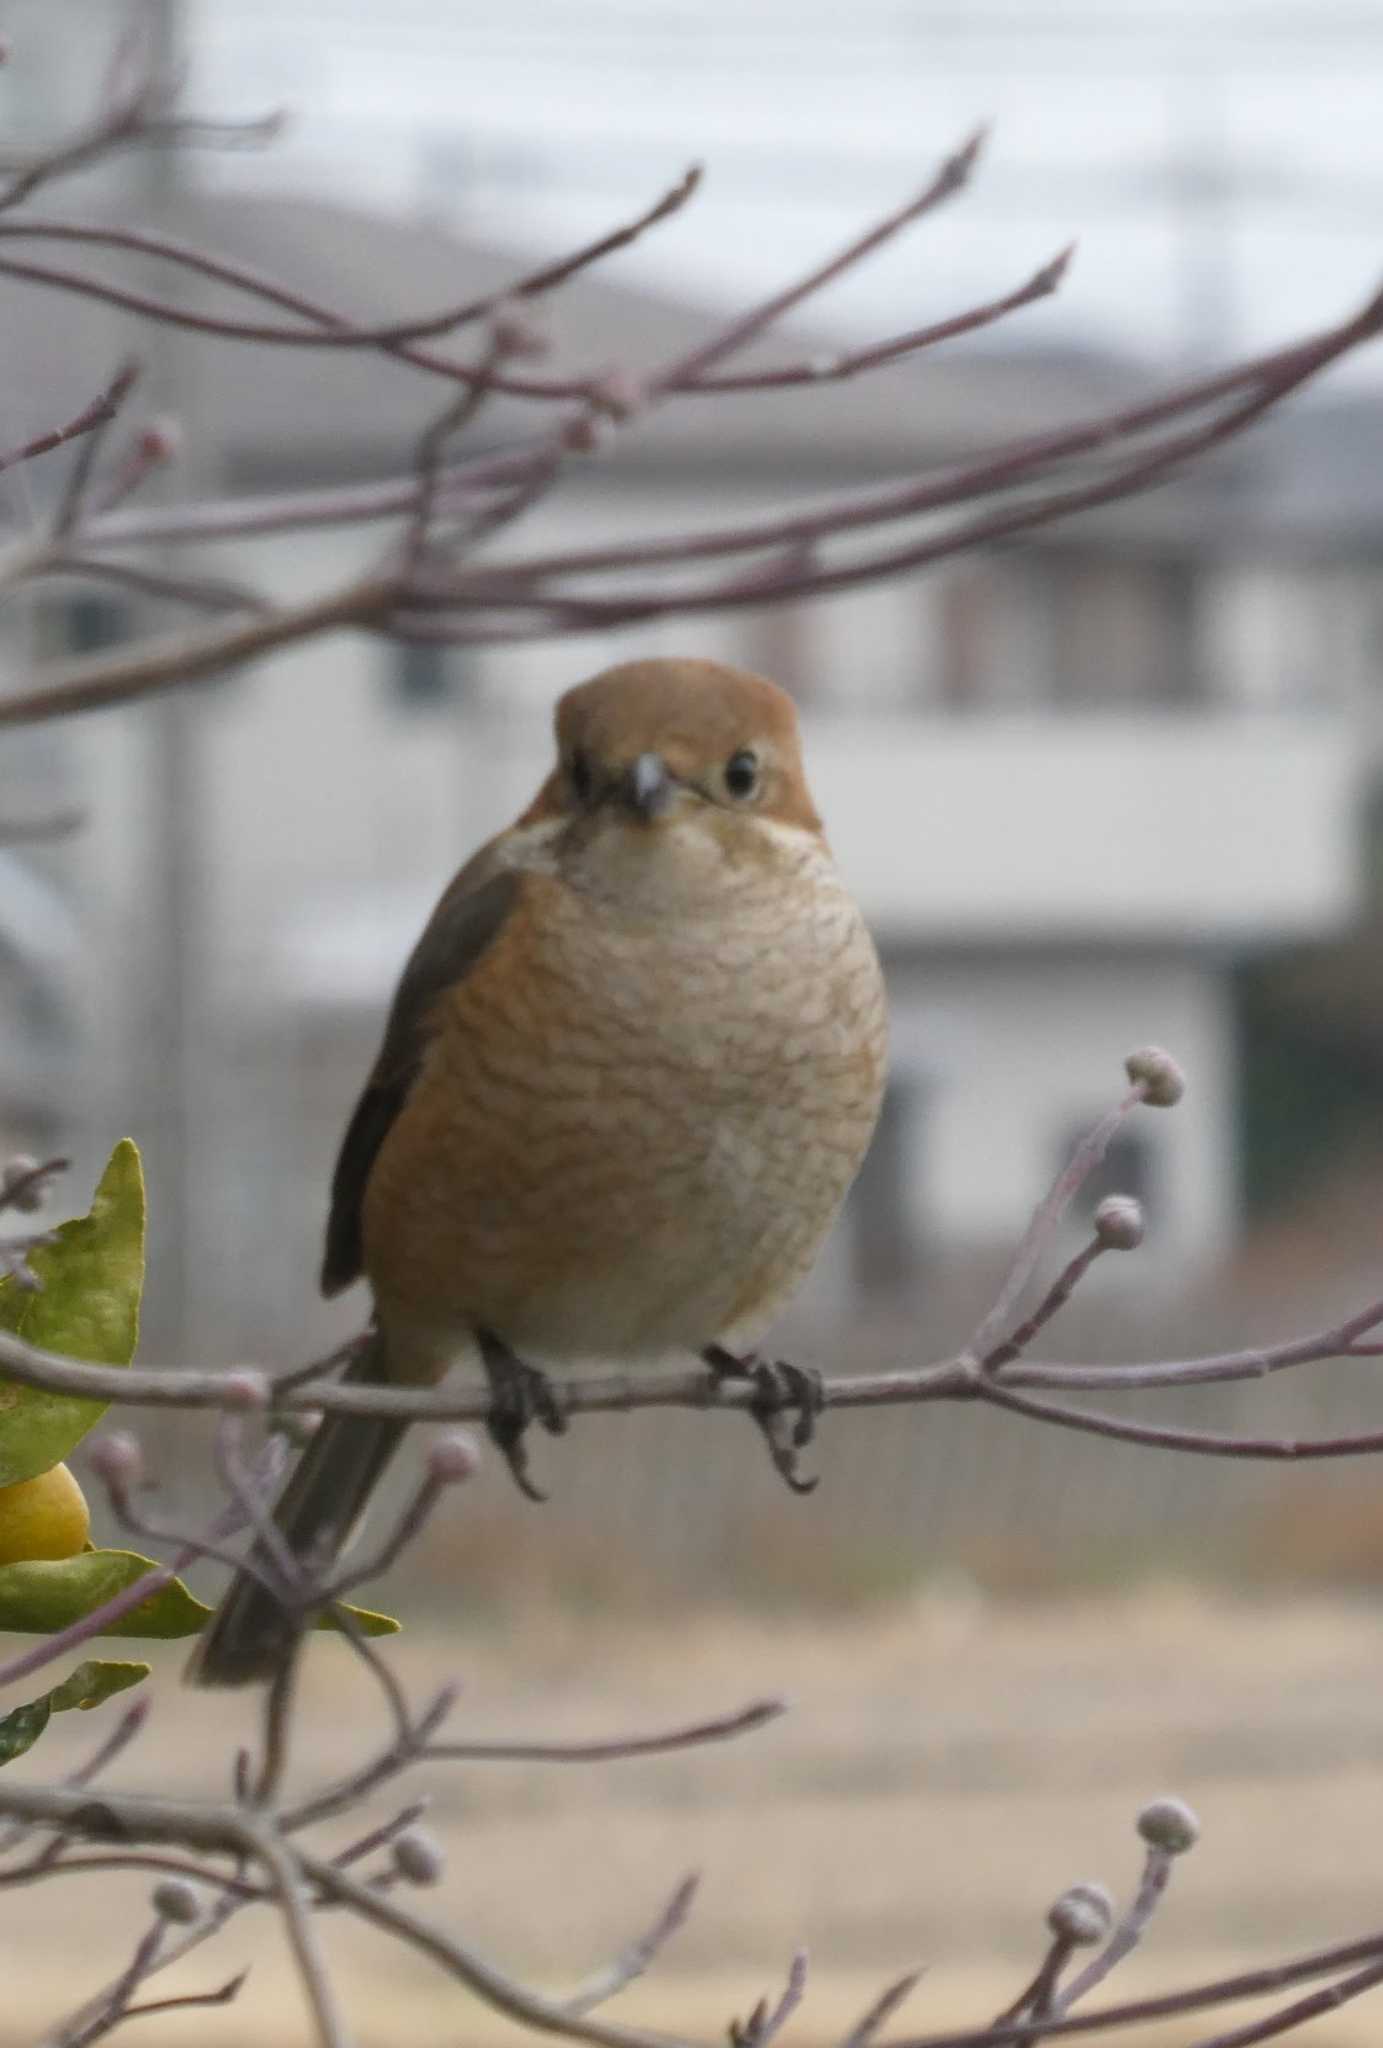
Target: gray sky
{"points": [[1221, 164]]}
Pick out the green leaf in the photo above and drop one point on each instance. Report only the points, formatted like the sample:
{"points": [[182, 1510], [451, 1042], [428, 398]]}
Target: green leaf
{"points": [[85, 1687], [44, 1595], [366, 1620], [21, 1729], [87, 1307], [95, 1681]]}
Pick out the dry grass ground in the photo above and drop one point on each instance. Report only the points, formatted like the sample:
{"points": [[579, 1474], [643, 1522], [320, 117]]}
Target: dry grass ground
{"points": [[948, 1766]]}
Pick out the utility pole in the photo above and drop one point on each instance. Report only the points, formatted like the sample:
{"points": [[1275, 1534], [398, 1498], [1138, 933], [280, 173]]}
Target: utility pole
{"points": [[166, 964], [1203, 187]]}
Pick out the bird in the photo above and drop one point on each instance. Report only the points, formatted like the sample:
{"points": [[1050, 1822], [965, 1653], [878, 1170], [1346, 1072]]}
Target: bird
{"points": [[629, 1074]]}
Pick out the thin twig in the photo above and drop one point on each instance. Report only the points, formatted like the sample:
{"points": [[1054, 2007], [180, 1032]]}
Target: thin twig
{"points": [[1193, 1998], [1046, 1218], [29, 1187], [131, 111], [632, 1963], [332, 2031], [1157, 1870], [275, 1724], [188, 2000], [766, 2022], [127, 1728], [382, 1836], [1012, 463], [835, 369], [613, 1392], [1204, 1442], [1037, 1996], [208, 593], [101, 415], [175, 659], [881, 2011], [1329, 1999], [20, 1874], [502, 1993], [102, 2012], [723, 1728], [1051, 1304], [434, 439], [89, 421], [685, 373], [328, 328]]}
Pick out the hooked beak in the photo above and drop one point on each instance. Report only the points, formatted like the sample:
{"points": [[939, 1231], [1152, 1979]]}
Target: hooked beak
{"points": [[647, 788]]}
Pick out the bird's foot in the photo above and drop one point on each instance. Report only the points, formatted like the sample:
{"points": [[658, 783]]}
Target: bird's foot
{"points": [[520, 1395], [781, 1390]]}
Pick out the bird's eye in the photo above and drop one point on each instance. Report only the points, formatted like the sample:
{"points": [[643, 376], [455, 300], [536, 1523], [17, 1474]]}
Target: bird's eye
{"points": [[742, 773], [582, 780]]}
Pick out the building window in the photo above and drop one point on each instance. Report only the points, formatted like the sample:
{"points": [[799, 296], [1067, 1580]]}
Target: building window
{"points": [[424, 677], [1120, 631], [965, 601], [981, 634]]}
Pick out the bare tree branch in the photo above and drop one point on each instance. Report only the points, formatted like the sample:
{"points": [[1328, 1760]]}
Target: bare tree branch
{"points": [[89, 421], [992, 1368], [835, 369], [134, 109], [687, 371], [327, 328], [433, 593]]}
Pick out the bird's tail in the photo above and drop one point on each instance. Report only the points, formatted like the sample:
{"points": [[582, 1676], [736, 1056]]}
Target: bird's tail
{"points": [[253, 1632]]}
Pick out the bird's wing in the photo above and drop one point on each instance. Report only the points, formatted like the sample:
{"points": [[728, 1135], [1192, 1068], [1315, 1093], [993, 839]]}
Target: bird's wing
{"points": [[461, 929]]}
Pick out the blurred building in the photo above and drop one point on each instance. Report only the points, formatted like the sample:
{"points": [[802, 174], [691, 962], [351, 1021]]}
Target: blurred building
{"points": [[1076, 782]]}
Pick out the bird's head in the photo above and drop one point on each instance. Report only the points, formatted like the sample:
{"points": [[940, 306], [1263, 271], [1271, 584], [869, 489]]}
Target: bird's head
{"points": [[654, 751]]}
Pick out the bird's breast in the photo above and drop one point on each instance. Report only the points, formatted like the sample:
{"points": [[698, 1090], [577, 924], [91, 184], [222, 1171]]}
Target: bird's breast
{"points": [[631, 1131]]}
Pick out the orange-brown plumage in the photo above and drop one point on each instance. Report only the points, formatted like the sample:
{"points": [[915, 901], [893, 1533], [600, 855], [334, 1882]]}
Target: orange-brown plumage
{"points": [[635, 1059]]}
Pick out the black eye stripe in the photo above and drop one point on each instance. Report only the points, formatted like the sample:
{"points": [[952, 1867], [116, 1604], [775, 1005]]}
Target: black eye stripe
{"points": [[582, 781]]}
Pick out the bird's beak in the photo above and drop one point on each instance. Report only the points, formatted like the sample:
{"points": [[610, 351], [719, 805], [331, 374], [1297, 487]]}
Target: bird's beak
{"points": [[647, 788]]}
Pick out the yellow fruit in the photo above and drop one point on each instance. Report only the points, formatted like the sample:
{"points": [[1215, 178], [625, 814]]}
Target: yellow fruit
{"points": [[43, 1517]]}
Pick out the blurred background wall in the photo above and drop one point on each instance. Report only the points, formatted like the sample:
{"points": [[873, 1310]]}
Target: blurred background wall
{"points": [[1113, 784]]}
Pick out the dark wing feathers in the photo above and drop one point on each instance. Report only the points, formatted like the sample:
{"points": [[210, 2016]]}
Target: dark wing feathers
{"points": [[462, 927]]}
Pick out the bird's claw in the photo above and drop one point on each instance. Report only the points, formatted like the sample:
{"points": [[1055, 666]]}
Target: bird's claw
{"points": [[520, 1395], [781, 1389]]}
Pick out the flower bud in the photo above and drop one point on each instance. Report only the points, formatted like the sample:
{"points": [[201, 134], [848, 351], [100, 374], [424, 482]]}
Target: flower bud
{"points": [[583, 434], [618, 395], [117, 1459], [1162, 1080], [1082, 1915], [418, 1857], [160, 440], [246, 1389], [176, 1900], [513, 334], [453, 1457], [1169, 1824], [1119, 1223]]}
